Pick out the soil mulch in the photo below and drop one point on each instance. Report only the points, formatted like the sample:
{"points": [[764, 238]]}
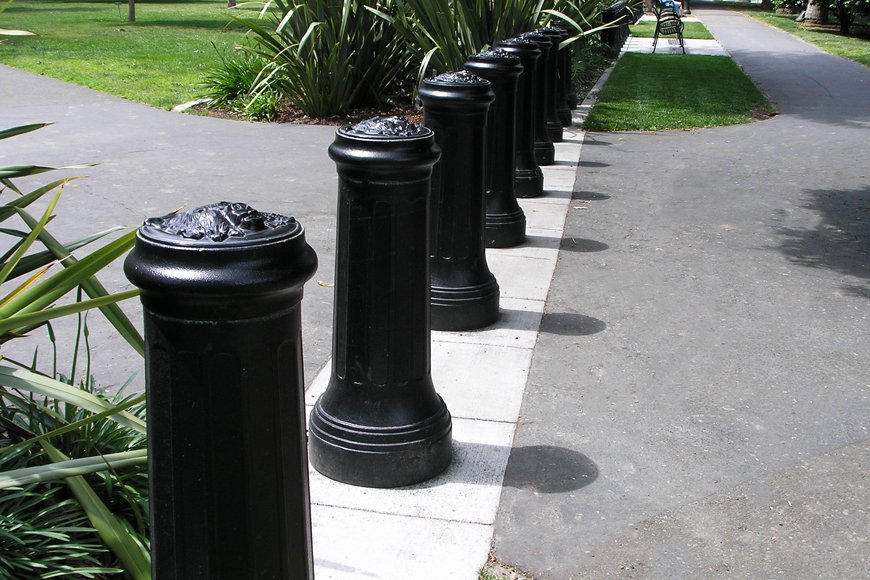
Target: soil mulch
{"points": [[293, 115]]}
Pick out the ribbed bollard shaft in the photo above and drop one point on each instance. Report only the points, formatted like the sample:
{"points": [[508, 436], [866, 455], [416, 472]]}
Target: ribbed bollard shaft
{"points": [[545, 152], [505, 221], [221, 288], [554, 125], [463, 294], [563, 83], [380, 422], [529, 178]]}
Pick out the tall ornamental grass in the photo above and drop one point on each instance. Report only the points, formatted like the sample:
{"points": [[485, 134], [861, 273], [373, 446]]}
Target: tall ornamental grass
{"points": [[327, 56], [69, 506], [330, 56]]}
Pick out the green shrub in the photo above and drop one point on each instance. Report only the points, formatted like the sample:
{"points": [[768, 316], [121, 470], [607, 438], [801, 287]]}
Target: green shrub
{"points": [[45, 420], [441, 34], [327, 56], [789, 6], [234, 86]]}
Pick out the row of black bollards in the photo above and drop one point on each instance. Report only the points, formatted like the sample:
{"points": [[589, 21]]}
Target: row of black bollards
{"points": [[618, 15], [221, 289]]}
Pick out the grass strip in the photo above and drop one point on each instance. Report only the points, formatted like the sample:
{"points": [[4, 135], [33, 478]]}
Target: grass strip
{"points": [[827, 38], [694, 30], [652, 92], [159, 60]]}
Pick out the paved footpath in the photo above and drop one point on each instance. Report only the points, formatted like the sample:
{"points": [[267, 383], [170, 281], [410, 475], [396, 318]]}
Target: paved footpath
{"points": [[696, 401], [699, 395]]}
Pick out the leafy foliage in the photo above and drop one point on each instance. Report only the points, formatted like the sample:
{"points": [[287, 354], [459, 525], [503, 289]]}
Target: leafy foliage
{"points": [[329, 56], [231, 86], [326, 56], [46, 420], [789, 6]]}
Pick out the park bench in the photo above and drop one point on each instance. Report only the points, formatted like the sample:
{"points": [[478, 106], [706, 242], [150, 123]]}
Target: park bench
{"points": [[668, 22]]}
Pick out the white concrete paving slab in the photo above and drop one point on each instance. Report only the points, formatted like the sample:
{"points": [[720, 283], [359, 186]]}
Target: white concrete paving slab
{"points": [[517, 327], [671, 45], [544, 213], [539, 244], [351, 544], [481, 381], [530, 277], [467, 492]]}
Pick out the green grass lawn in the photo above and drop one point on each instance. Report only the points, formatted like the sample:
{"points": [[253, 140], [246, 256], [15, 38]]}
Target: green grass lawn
{"points": [[651, 92], [828, 39], [158, 60], [647, 29]]}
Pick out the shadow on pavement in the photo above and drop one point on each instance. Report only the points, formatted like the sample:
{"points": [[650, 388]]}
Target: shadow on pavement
{"points": [[841, 241], [589, 196], [571, 324], [548, 469], [570, 244]]}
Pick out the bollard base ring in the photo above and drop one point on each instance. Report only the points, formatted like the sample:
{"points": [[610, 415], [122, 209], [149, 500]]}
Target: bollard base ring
{"points": [[505, 230], [465, 308], [370, 456], [529, 182], [554, 131], [545, 154]]}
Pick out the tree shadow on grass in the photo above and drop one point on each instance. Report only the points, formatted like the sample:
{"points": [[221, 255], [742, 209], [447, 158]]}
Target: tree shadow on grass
{"points": [[841, 241], [203, 23]]}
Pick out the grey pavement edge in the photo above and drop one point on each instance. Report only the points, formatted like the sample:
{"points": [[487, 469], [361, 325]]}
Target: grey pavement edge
{"points": [[151, 162], [699, 396]]}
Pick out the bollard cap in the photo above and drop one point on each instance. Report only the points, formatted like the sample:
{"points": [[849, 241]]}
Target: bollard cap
{"points": [[525, 48], [390, 147], [387, 127], [495, 65], [460, 92], [516, 41], [197, 263], [462, 77], [494, 54], [542, 39], [224, 223]]}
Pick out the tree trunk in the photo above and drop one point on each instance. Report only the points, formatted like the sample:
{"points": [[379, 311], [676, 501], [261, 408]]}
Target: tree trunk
{"points": [[817, 12], [648, 6], [131, 15], [845, 16], [231, 3]]}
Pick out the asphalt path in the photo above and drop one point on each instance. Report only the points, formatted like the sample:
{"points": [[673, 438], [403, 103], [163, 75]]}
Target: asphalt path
{"points": [[698, 399]]}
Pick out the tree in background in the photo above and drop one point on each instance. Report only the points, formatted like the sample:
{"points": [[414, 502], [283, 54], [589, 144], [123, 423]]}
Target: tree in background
{"points": [[817, 12]]}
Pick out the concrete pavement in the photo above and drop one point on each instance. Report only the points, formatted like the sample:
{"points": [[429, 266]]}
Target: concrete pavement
{"points": [[698, 397]]}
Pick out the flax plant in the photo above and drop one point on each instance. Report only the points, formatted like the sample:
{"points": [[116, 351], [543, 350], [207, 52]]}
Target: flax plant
{"points": [[327, 56], [441, 34], [50, 429]]}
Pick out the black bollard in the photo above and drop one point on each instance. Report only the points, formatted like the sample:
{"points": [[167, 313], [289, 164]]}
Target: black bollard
{"points": [[529, 178], [380, 422], [505, 220], [221, 287], [463, 294], [563, 82], [554, 125], [545, 152]]}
